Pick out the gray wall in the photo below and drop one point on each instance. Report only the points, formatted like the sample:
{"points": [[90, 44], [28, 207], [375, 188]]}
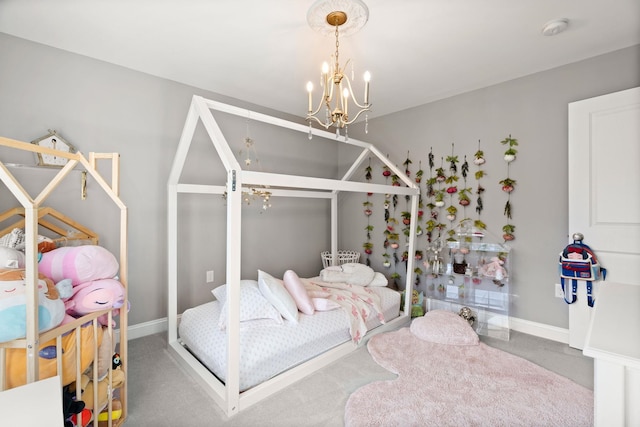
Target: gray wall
{"points": [[105, 108], [101, 107], [532, 109]]}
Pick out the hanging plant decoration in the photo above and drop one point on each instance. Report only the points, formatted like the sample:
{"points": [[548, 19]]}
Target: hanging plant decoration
{"points": [[510, 154], [419, 174], [367, 207], [478, 160], [368, 246], [508, 186], [418, 179], [406, 164], [386, 263], [386, 172], [463, 194], [463, 197], [508, 232], [464, 169], [430, 194], [451, 181]]}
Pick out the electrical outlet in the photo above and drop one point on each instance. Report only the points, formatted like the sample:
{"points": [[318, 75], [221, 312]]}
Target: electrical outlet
{"points": [[559, 292], [209, 276]]}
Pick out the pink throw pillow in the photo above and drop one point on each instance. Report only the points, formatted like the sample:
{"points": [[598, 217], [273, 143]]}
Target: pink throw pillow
{"points": [[296, 288], [323, 304]]}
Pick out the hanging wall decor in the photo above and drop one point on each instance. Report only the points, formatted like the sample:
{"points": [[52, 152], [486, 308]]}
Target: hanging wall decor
{"points": [[368, 245], [463, 194], [448, 199], [508, 185], [452, 189], [480, 173]]}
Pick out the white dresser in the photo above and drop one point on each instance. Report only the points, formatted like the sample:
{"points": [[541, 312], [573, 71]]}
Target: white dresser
{"points": [[613, 340]]}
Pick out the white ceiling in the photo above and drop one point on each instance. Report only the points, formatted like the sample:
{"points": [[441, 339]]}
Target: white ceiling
{"points": [[264, 52]]}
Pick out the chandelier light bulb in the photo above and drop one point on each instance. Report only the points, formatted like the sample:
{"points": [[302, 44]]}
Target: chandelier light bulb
{"points": [[367, 78], [310, 89], [325, 68]]}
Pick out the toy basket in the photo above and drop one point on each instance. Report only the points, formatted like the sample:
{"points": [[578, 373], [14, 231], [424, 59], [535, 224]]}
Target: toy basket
{"points": [[343, 258]]}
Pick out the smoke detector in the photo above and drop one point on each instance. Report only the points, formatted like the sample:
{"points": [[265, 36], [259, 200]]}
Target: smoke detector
{"points": [[555, 27]]}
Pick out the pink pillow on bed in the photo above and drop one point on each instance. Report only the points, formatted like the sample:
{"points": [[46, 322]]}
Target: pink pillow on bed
{"points": [[324, 304], [297, 290]]}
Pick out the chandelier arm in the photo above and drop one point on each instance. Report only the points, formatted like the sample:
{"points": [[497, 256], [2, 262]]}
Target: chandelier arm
{"points": [[356, 116], [317, 110], [353, 96], [324, 125]]}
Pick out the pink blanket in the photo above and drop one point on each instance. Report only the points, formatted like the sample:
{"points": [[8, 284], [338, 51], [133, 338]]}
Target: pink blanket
{"points": [[358, 302]]}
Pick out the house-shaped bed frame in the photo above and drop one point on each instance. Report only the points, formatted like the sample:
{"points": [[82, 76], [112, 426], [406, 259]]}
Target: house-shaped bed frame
{"points": [[227, 395]]}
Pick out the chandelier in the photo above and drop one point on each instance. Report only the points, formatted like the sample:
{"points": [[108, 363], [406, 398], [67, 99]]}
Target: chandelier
{"points": [[251, 158], [336, 86]]}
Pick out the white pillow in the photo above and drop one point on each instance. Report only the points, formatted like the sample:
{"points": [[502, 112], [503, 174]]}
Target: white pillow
{"points": [[253, 305], [379, 279], [296, 289], [275, 292]]}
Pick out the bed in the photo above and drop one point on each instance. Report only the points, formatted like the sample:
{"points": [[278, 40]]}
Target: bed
{"points": [[85, 344], [225, 386], [267, 349]]}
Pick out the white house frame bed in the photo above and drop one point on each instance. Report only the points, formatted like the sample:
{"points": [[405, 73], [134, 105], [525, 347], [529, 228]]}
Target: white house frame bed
{"points": [[228, 394]]}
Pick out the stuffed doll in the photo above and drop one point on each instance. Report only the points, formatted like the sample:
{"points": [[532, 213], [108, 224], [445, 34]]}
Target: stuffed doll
{"points": [[79, 263], [16, 366], [71, 408], [117, 377], [95, 296], [13, 303], [494, 269]]}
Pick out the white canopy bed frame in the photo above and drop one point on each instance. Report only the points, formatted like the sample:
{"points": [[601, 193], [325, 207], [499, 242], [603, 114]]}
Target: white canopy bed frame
{"points": [[227, 395]]}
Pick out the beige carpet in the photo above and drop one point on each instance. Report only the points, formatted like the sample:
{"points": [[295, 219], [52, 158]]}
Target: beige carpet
{"points": [[462, 385]]}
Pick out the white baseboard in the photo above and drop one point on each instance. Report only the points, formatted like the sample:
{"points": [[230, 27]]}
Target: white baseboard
{"points": [[143, 329], [540, 330]]}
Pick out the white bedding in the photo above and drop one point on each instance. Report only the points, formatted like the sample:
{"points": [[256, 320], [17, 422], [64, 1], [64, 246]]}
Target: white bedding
{"points": [[267, 349]]}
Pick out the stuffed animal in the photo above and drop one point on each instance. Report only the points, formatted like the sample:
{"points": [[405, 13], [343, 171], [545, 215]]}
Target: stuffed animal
{"points": [[13, 303], [72, 407], [94, 296], [494, 269], [11, 258], [117, 377], [81, 264], [16, 366]]}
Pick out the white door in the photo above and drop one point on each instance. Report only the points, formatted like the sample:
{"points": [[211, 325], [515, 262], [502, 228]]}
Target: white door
{"points": [[604, 191]]}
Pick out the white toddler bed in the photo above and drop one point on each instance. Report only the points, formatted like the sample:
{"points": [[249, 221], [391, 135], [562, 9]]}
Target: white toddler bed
{"points": [[238, 181], [267, 349]]}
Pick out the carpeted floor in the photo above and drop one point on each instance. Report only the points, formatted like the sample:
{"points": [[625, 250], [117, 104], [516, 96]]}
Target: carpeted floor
{"points": [[447, 378], [161, 394]]}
